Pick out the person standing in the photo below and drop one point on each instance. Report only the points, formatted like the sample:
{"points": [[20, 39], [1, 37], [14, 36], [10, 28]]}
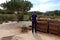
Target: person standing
{"points": [[34, 23]]}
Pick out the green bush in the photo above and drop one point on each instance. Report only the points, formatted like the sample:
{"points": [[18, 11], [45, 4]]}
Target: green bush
{"points": [[1, 18], [26, 17], [12, 17], [19, 17], [7, 17], [1, 22]]}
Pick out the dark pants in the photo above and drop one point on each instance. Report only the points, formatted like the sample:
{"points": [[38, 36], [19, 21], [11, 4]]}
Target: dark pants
{"points": [[34, 26]]}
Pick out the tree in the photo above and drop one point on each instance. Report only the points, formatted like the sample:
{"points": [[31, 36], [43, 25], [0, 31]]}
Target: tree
{"points": [[57, 12], [18, 6], [49, 13], [37, 12]]}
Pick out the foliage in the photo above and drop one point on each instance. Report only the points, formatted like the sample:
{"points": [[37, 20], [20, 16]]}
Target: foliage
{"points": [[7, 17], [17, 5], [53, 13], [37, 12], [26, 17], [44, 16], [1, 22], [2, 11], [19, 17]]}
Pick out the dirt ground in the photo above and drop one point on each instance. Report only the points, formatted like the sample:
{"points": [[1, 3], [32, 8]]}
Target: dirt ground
{"points": [[10, 32], [17, 35], [37, 36]]}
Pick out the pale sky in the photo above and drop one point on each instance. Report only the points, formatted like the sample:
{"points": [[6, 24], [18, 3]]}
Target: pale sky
{"points": [[43, 5]]}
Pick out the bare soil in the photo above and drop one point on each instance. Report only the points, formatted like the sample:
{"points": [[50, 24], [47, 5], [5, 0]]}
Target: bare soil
{"points": [[17, 35]]}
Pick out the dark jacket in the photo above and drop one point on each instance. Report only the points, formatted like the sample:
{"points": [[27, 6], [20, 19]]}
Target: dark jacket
{"points": [[34, 17]]}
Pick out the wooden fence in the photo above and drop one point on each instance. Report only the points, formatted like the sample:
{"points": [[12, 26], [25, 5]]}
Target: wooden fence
{"points": [[49, 26]]}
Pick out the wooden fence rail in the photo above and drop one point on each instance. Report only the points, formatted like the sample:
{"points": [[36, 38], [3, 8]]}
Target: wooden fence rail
{"points": [[49, 26]]}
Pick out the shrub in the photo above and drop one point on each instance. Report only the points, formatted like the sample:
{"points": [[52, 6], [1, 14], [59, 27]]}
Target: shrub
{"points": [[26, 17], [1, 18], [7, 17], [24, 29], [19, 17], [1, 22]]}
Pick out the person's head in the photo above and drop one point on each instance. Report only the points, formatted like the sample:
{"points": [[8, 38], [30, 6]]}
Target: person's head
{"points": [[33, 12]]}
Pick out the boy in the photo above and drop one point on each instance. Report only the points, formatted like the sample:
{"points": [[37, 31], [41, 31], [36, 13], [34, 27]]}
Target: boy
{"points": [[34, 23]]}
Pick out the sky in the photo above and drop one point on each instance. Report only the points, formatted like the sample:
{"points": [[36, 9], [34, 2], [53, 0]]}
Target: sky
{"points": [[43, 5]]}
